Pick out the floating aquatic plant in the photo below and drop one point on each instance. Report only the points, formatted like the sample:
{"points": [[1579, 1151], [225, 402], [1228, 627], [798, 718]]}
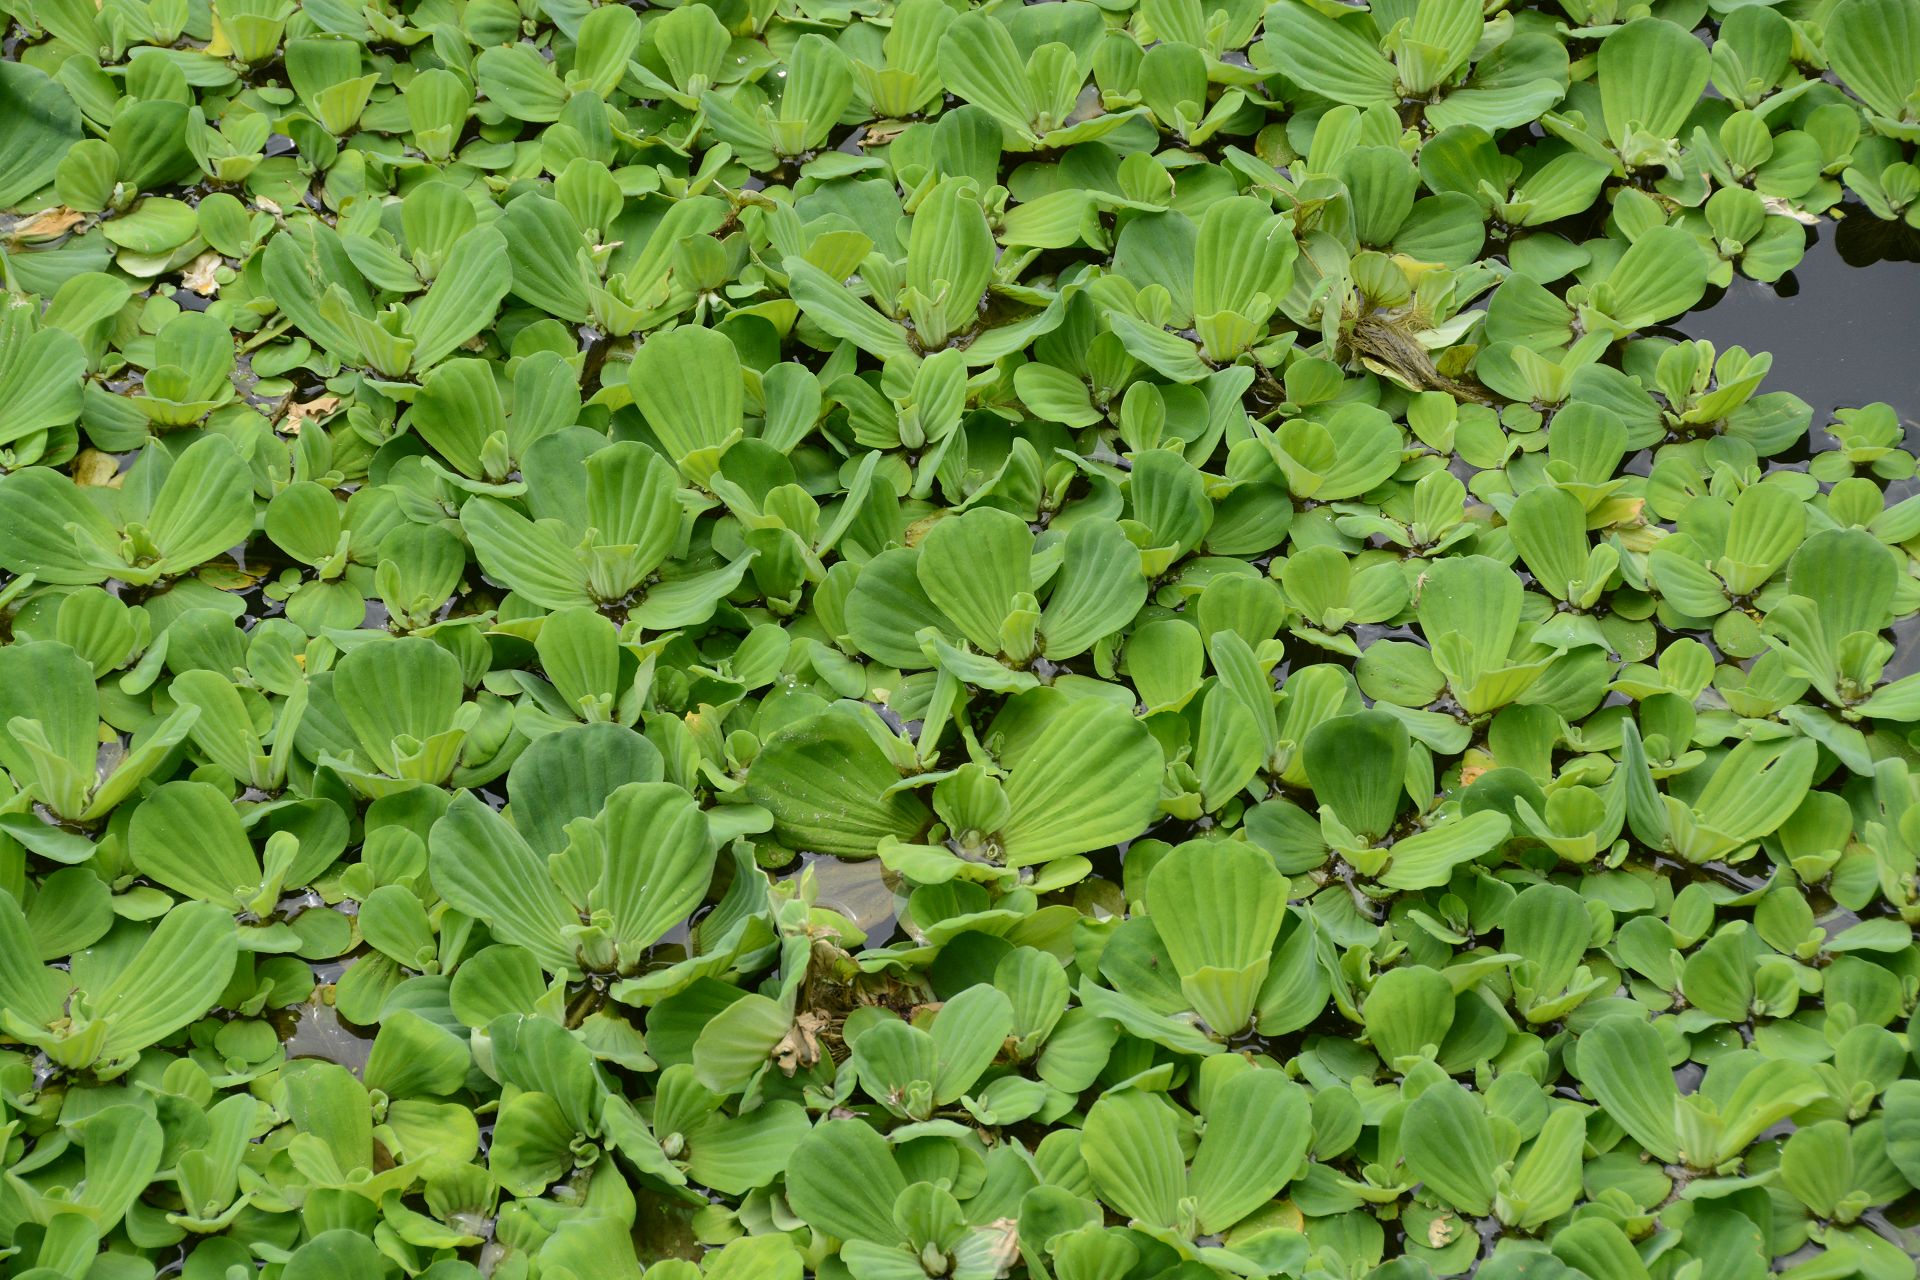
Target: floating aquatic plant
{"points": [[1080, 641]]}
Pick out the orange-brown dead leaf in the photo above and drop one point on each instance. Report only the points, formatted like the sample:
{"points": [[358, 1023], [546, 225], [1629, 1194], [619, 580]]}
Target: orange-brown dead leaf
{"points": [[48, 224], [198, 275], [298, 412]]}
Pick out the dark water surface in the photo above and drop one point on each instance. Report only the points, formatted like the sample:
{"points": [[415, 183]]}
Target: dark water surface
{"points": [[1843, 326]]}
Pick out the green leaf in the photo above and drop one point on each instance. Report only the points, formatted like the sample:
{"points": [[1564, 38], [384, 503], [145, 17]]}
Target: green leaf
{"points": [[1099, 589], [1109, 794], [1546, 1180], [174, 978], [1327, 55], [48, 684], [687, 382], [1597, 1248], [486, 869], [896, 1064], [1549, 527], [571, 774], [188, 837], [1408, 1013], [1447, 1142], [549, 259], [463, 297], [397, 692], [40, 376], [205, 506], [1901, 1105], [979, 62], [973, 566], [1426, 859], [1132, 1148], [1661, 275], [1358, 767], [123, 1146], [843, 1180], [521, 81], [1222, 904], [1651, 73], [842, 314], [1258, 1126], [1622, 1062], [52, 531], [827, 785], [1874, 46], [41, 123], [968, 1033], [660, 859]]}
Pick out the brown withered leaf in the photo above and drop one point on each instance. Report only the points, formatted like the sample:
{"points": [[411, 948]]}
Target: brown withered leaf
{"points": [[1003, 1244], [298, 412], [801, 1045], [1786, 209], [198, 275], [48, 224]]}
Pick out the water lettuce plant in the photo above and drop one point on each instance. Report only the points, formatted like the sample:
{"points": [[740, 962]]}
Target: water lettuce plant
{"points": [[1102, 640]]}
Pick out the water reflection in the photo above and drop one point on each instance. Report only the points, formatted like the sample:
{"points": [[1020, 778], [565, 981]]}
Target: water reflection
{"points": [[315, 1029], [858, 889], [1839, 325], [318, 1031]]}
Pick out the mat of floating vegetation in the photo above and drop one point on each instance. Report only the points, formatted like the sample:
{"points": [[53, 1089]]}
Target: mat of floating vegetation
{"points": [[1084, 641]]}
